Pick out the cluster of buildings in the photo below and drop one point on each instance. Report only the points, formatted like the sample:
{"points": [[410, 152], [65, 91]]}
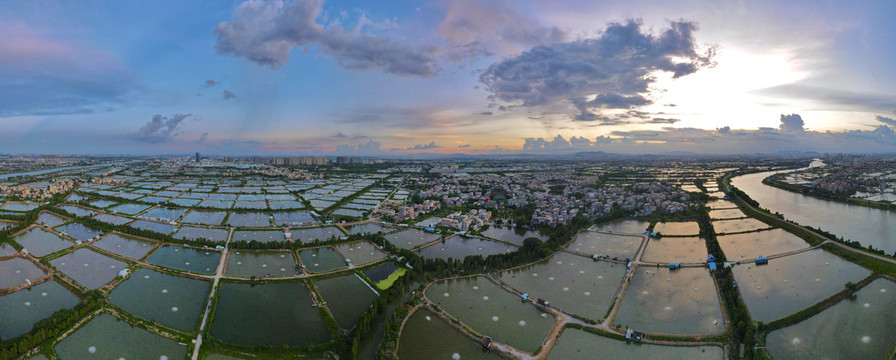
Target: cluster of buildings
{"points": [[38, 191], [472, 220], [400, 211]]}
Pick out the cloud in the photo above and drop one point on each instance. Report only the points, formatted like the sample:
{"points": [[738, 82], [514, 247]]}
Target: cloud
{"points": [[227, 95], [266, 32], [886, 120], [614, 70], [340, 135], [45, 76], [791, 136], [463, 146], [369, 148], [835, 99], [429, 146], [162, 128], [210, 83], [791, 123], [662, 121], [485, 113], [202, 138], [479, 27]]}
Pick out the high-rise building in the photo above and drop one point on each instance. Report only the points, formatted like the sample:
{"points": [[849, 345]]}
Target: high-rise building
{"points": [[342, 159], [198, 159]]}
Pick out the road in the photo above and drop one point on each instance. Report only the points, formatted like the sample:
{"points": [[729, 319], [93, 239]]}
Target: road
{"points": [[208, 306]]}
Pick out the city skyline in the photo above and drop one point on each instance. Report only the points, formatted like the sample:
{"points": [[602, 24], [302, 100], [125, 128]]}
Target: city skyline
{"points": [[473, 77]]}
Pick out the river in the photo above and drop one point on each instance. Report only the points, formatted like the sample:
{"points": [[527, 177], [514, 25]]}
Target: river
{"points": [[866, 225]]}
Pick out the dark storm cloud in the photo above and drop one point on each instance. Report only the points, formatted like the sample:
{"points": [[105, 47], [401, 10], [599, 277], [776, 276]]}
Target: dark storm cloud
{"points": [[202, 138], [265, 33], [463, 146], [340, 135], [162, 128], [614, 67]]}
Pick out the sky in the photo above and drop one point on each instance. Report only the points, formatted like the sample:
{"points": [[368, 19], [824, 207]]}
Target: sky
{"points": [[399, 78]]}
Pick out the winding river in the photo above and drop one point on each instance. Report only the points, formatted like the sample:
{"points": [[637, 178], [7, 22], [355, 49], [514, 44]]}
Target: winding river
{"points": [[866, 225]]}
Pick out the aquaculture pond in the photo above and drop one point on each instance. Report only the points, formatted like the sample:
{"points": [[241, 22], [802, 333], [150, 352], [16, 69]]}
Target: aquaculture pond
{"points": [[736, 226], [320, 233], [614, 246], [6, 249], [249, 219], [112, 219], [688, 228], [569, 282], [675, 250], [21, 309], [321, 259], [18, 271], [761, 243], [193, 233], [347, 297], [205, 217], [102, 203], [624, 226], [258, 235], [89, 268], [370, 228], [411, 238], [511, 235], [216, 204], [164, 213], [49, 219], [380, 272], [860, 328], [579, 344], [285, 204], [360, 252], [492, 311], [726, 214], [721, 204], [21, 206], [79, 231], [173, 301], [290, 218], [246, 264], [459, 247], [130, 209], [40, 242], [77, 210], [281, 313], [663, 301], [789, 284], [125, 245], [162, 228], [200, 261], [426, 336], [106, 337]]}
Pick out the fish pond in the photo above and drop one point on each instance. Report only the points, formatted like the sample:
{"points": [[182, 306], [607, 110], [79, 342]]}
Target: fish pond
{"points": [[280, 314], [859, 328], [792, 283], [107, 337], [662, 301], [200, 261], [89, 268], [492, 311], [322, 259], [173, 301], [246, 264], [125, 245], [459, 247], [21, 309], [347, 297]]}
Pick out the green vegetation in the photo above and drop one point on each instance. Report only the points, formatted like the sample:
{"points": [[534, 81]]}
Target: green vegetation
{"points": [[389, 281]]}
